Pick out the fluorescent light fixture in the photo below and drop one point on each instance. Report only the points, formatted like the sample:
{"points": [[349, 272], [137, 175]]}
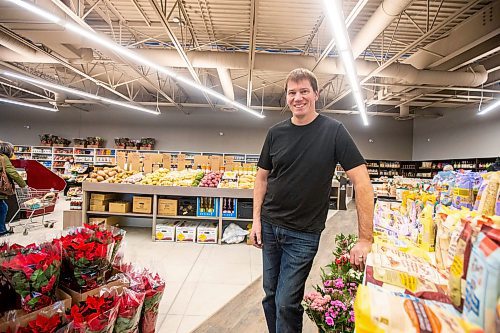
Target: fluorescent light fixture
{"points": [[490, 107], [77, 92], [34, 106], [109, 44], [38, 11], [337, 22]]}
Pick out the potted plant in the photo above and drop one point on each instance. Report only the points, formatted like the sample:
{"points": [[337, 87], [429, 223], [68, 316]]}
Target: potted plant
{"points": [[60, 141], [46, 139], [80, 143], [147, 144], [331, 305], [95, 142], [121, 142]]}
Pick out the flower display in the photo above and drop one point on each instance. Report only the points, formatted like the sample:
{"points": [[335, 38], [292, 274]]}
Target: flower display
{"points": [[129, 311], [330, 306], [86, 258], [97, 314], [42, 324], [33, 271], [142, 280]]}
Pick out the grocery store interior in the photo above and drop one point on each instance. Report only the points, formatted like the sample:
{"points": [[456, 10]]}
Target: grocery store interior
{"points": [[146, 119]]}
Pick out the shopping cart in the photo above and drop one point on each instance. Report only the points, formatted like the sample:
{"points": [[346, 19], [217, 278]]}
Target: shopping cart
{"points": [[35, 203]]}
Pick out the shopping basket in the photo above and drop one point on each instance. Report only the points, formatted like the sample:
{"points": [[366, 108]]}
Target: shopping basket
{"points": [[35, 203]]}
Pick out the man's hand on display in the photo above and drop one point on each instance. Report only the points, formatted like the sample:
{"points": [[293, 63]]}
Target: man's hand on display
{"points": [[255, 234], [359, 253]]}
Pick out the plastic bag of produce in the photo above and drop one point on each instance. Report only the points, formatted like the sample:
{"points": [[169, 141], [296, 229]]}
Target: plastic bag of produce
{"points": [[234, 234], [377, 311], [483, 280]]}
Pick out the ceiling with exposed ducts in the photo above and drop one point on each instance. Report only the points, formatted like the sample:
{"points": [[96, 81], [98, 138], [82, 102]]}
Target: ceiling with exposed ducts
{"points": [[412, 57]]}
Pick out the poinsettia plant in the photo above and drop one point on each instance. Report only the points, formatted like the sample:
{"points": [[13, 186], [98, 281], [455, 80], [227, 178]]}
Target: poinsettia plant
{"points": [[97, 314], [33, 271], [129, 311], [142, 280], [86, 258], [330, 306]]}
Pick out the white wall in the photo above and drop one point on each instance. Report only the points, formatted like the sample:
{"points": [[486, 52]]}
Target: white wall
{"points": [[458, 134], [198, 131]]}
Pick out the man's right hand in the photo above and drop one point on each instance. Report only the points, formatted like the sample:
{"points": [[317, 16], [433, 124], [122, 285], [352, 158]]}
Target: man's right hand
{"points": [[256, 234]]}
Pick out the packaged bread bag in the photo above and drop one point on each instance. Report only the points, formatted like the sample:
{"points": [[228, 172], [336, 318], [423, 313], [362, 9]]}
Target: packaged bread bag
{"points": [[459, 267], [483, 280], [488, 195], [377, 311]]}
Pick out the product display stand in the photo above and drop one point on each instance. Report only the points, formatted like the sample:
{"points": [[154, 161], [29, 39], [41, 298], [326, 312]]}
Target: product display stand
{"points": [[156, 192]]}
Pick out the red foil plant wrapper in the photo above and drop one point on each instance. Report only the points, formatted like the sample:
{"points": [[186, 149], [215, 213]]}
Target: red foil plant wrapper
{"points": [[116, 234], [33, 271], [129, 312], [86, 258], [52, 320], [97, 314], [142, 280]]}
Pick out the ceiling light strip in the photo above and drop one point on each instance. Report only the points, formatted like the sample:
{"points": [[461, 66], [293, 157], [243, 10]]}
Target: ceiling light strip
{"points": [[109, 44], [29, 105], [490, 107], [337, 22], [76, 92]]}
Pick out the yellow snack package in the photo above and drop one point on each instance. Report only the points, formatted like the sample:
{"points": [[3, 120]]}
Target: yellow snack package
{"points": [[377, 311], [426, 239]]}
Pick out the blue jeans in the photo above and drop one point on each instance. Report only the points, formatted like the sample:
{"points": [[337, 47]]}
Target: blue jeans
{"points": [[287, 260], [3, 215]]}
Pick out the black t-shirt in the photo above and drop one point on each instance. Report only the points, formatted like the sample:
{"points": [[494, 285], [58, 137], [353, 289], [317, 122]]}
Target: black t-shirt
{"points": [[302, 161]]}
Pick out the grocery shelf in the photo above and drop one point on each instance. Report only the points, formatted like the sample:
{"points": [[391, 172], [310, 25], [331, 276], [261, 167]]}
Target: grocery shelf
{"points": [[120, 214], [188, 217], [158, 192]]}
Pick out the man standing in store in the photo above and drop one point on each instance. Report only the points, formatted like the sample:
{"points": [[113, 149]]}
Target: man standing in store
{"points": [[291, 199]]}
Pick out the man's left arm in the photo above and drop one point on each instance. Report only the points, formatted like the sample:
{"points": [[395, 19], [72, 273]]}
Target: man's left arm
{"points": [[364, 206]]}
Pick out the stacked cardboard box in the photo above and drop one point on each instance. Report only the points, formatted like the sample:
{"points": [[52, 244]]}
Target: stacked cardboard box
{"points": [[99, 202]]}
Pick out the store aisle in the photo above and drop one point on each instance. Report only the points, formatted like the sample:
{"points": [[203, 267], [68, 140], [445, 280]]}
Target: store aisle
{"points": [[244, 313]]}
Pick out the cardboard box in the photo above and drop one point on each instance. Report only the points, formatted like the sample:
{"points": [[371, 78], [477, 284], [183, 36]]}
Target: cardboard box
{"points": [[207, 233], [102, 196], [206, 206], [142, 205], [99, 207], [77, 297], [72, 218], [107, 220], [186, 232], [99, 201], [120, 207], [165, 231], [167, 207], [23, 318]]}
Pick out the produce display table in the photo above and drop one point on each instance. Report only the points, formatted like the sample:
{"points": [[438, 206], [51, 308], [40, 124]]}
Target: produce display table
{"points": [[160, 191]]}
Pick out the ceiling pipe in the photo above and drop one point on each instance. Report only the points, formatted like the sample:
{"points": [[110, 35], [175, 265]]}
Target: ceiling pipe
{"points": [[17, 51], [378, 22], [226, 82], [477, 29], [285, 63]]}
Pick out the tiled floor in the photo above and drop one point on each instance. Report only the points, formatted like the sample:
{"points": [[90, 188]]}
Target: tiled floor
{"points": [[200, 278]]}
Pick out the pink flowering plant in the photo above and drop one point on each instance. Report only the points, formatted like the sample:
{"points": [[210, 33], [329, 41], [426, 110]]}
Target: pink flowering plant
{"points": [[330, 306]]}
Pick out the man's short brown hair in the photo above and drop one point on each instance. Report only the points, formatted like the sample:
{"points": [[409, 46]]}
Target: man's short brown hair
{"points": [[300, 74]]}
